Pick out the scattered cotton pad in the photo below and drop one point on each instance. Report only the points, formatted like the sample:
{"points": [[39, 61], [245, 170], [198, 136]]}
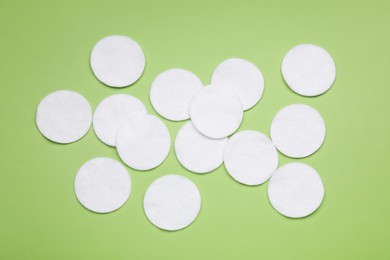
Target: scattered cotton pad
{"points": [[172, 202], [64, 116], [143, 142], [102, 185], [244, 77], [117, 61], [295, 190], [172, 91], [216, 111], [298, 130], [308, 70], [250, 157], [112, 112], [196, 152]]}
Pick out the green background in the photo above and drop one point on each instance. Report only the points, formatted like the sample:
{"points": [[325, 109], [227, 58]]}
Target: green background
{"points": [[45, 46]]}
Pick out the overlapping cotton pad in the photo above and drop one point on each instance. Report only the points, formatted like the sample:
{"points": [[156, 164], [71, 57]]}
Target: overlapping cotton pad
{"points": [[244, 77], [117, 61], [172, 202], [102, 185], [112, 112], [216, 111], [197, 152], [308, 70], [64, 116], [298, 130], [143, 142], [250, 157], [172, 91], [295, 190]]}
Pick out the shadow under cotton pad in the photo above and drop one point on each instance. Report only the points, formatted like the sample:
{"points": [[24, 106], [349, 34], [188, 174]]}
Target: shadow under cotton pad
{"points": [[143, 142], [64, 116], [112, 112], [244, 77], [102, 185], [295, 190], [117, 61], [197, 152], [172, 91], [172, 202]]}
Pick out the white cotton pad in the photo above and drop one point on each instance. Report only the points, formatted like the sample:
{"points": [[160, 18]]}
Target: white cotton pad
{"points": [[172, 91], [117, 61], [308, 70], [102, 185], [295, 190], [143, 142], [64, 116], [250, 157], [216, 111], [244, 77], [112, 112], [298, 130], [197, 152], [172, 202]]}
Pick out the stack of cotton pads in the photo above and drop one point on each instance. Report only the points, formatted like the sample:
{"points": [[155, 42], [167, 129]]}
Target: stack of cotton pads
{"points": [[204, 143]]}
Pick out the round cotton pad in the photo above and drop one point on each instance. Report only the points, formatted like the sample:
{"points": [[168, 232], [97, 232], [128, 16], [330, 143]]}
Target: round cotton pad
{"points": [[172, 91], [143, 142], [295, 190], [117, 61], [196, 152], [244, 77], [112, 112], [216, 111], [172, 202], [308, 70], [64, 116], [250, 157], [298, 130], [102, 185]]}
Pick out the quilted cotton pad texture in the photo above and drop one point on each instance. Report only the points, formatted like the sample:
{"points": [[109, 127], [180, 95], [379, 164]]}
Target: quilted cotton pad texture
{"points": [[172, 91], [172, 202], [216, 111], [295, 190], [117, 61], [197, 152], [298, 130], [308, 70], [244, 77], [64, 116], [112, 112], [250, 157], [143, 142], [102, 185]]}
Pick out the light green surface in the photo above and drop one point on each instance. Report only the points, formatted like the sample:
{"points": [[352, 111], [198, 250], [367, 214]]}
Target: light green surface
{"points": [[45, 46]]}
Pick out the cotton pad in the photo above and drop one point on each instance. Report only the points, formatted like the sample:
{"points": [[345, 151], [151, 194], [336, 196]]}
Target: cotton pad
{"points": [[298, 130], [172, 202], [244, 77], [216, 111], [172, 91], [250, 157], [295, 190], [117, 61], [197, 152], [308, 70], [102, 185], [64, 116], [112, 112], [143, 142]]}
